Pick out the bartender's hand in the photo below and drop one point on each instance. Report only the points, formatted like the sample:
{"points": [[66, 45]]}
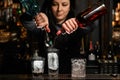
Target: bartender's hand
{"points": [[70, 25], [41, 21]]}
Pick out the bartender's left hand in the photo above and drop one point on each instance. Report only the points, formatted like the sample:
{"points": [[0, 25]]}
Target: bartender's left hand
{"points": [[70, 25]]}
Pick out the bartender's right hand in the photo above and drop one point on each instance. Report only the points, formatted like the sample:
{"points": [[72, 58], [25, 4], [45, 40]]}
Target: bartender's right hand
{"points": [[41, 21]]}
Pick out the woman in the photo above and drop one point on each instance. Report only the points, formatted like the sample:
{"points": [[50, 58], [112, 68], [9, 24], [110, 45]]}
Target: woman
{"points": [[57, 15]]}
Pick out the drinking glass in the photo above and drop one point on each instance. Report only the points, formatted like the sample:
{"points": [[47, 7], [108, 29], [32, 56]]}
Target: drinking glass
{"points": [[78, 67], [53, 61], [32, 7]]}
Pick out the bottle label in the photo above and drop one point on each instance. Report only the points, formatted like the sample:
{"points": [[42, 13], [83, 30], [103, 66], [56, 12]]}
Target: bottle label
{"points": [[91, 57], [52, 61], [38, 66]]}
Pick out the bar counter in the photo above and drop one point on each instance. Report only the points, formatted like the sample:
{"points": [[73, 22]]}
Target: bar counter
{"points": [[60, 77]]}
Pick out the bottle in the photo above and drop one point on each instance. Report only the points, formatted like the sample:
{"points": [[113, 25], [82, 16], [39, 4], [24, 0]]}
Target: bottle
{"points": [[110, 58], [37, 64], [52, 56], [97, 50], [110, 55], [82, 49], [91, 55], [91, 14], [115, 67], [32, 7], [53, 61], [88, 16]]}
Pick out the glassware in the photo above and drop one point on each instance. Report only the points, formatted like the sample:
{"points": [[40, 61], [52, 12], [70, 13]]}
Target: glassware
{"points": [[32, 7], [37, 64], [53, 61], [78, 67]]}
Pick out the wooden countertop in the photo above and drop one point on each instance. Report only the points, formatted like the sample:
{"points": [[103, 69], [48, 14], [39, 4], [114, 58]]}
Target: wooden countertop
{"points": [[60, 77]]}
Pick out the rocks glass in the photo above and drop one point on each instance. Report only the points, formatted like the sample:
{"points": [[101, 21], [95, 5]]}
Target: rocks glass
{"points": [[78, 67]]}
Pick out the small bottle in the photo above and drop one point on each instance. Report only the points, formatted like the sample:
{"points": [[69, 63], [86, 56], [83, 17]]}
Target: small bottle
{"points": [[37, 64], [91, 55], [115, 68], [110, 55], [110, 58], [97, 50]]}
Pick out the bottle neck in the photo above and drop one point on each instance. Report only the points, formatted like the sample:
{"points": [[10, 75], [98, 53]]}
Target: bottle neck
{"points": [[91, 46], [36, 53]]}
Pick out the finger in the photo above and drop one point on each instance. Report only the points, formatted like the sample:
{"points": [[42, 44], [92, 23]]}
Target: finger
{"points": [[39, 20], [69, 25], [47, 28], [65, 27], [75, 23], [38, 17], [38, 23], [72, 24], [44, 17]]}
